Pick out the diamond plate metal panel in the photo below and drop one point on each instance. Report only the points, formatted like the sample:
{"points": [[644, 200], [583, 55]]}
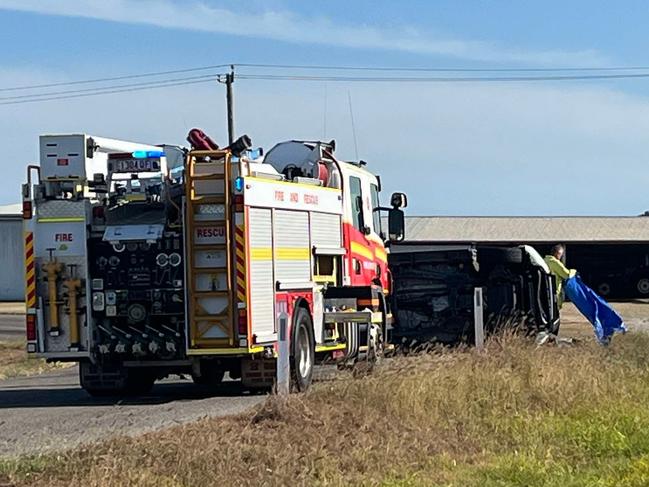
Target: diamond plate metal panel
{"points": [[61, 209]]}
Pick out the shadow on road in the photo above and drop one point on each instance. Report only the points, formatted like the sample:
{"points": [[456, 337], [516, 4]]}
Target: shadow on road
{"points": [[20, 396]]}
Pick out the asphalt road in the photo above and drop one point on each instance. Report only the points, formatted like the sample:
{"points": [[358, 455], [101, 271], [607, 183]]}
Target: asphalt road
{"points": [[51, 411], [12, 327]]}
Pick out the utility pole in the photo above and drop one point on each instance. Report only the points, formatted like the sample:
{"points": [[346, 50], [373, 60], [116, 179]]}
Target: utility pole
{"points": [[229, 79]]}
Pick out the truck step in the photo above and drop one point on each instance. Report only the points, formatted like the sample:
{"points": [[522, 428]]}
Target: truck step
{"points": [[210, 294], [208, 177], [209, 270], [208, 199]]}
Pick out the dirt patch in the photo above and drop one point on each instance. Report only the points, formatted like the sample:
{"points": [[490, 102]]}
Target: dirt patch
{"points": [[14, 361], [635, 314]]}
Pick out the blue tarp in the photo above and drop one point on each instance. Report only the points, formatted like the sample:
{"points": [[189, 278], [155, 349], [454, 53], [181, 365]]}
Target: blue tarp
{"points": [[601, 315]]}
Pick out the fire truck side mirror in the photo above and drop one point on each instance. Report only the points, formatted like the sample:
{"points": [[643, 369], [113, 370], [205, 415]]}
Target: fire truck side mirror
{"points": [[398, 200], [396, 225], [90, 147]]}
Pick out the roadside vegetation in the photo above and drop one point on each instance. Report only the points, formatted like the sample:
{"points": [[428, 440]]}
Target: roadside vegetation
{"points": [[512, 415], [14, 361]]}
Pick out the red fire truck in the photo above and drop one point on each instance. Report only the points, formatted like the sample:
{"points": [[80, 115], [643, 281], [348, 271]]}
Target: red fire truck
{"points": [[143, 261]]}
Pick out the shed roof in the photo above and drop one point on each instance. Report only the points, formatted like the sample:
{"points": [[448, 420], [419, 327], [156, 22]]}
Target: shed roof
{"points": [[11, 212], [527, 229]]}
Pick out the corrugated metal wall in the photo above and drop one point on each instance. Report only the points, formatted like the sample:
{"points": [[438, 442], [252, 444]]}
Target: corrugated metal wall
{"points": [[12, 279], [261, 282], [291, 234]]}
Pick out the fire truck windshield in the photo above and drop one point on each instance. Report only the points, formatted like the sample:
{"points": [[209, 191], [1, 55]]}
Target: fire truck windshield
{"points": [[376, 214]]}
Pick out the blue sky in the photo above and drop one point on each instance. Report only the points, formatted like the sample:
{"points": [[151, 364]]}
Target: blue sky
{"points": [[576, 148]]}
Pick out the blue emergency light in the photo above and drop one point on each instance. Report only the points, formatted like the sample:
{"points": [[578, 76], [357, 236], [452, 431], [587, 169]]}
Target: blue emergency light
{"points": [[255, 153], [147, 154], [238, 184]]}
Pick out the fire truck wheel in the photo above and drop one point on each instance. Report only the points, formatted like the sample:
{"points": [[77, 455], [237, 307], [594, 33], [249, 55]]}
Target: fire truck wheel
{"points": [[139, 381], [108, 381], [303, 347], [211, 376]]}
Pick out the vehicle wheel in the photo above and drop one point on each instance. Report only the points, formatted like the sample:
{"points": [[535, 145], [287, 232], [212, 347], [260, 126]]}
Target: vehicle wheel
{"points": [[303, 357], [211, 375], [604, 289], [100, 382], [139, 381], [642, 285], [114, 380]]}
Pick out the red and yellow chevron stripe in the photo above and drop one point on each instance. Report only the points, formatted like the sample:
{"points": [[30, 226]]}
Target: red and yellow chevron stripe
{"points": [[30, 271], [241, 263]]}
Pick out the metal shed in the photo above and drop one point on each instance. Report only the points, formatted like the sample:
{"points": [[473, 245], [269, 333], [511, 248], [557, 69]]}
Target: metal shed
{"points": [[611, 253], [12, 279], [507, 230]]}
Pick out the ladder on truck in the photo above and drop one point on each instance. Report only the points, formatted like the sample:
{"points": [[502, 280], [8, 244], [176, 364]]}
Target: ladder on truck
{"points": [[208, 243]]}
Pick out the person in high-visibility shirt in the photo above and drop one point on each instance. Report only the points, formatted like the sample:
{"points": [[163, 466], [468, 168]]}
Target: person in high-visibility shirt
{"points": [[560, 271]]}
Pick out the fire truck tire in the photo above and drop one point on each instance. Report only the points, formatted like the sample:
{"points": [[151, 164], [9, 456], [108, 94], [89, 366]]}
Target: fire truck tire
{"points": [[139, 381], [211, 376], [303, 350], [101, 381]]}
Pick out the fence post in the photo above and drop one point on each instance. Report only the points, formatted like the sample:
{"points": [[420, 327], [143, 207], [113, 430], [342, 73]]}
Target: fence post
{"points": [[478, 318], [283, 364]]}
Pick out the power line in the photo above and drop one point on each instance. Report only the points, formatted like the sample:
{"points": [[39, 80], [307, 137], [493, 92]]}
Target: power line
{"points": [[151, 84], [445, 79], [115, 78], [107, 92], [265, 76], [441, 70], [323, 68]]}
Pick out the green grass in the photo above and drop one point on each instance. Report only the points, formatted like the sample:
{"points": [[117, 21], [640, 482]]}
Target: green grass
{"points": [[513, 415]]}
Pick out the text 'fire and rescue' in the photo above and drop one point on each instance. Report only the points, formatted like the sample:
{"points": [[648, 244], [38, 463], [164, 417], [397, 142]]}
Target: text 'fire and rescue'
{"points": [[309, 199]]}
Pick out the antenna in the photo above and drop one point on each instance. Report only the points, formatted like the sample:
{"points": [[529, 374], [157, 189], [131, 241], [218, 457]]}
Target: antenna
{"points": [[324, 114], [351, 115]]}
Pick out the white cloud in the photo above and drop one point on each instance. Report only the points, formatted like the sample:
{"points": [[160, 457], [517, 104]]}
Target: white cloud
{"points": [[455, 149], [290, 27]]}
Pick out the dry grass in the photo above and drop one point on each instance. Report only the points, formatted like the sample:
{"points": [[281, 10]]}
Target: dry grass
{"points": [[14, 361], [515, 415]]}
